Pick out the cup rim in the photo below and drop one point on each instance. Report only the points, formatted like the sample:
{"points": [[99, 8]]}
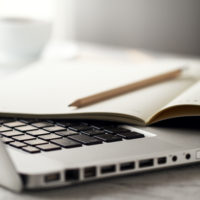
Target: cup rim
{"points": [[18, 21]]}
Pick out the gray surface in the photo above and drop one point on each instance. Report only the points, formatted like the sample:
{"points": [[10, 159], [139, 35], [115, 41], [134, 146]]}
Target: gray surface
{"points": [[179, 183], [160, 25]]}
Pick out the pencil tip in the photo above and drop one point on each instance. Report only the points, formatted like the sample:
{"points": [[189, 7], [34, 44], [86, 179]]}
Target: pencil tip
{"points": [[73, 104]]}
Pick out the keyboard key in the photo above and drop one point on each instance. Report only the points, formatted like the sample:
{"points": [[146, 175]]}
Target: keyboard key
{"points": [[55, 128], [17, 144], [109, 138], [66, 143], [85, 123], [12, 133], [31, 149], [48, 147], [14, 124], [93, 132], [7, 140], [131, 135], [80, 127], [99, 125], [4, 129], [28, 121], [63, 123], [42, 124], [26, 128], [75, 123], [51, 121], [87, 140], [35, 142], [116, 130], [1, 121], [23, 138], [66, 133], [37, 132], [51, 136], [5, 120]]}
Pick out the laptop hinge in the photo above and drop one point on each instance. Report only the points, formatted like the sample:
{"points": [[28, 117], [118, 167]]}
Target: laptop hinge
{"points": [[9, 177]]}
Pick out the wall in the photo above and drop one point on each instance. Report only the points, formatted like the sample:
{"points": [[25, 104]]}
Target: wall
{"points": [[166, 25]]}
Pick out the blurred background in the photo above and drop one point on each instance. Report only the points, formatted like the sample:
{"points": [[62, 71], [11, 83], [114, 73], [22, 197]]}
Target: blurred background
{"points": [[168, 26]]}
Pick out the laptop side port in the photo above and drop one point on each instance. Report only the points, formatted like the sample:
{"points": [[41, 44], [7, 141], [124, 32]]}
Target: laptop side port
{"points": [[72, 175], [127, 166], [162, 160], [90, 172], [146, 163], [174, 158], [188, 156], [108, 169], [51, 177]]}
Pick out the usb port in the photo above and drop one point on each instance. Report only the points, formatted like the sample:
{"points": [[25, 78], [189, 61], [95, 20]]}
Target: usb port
{"points": [[108, 169], [89, 172], [162, 160], [72, 175], [127, 166], [146, 163], [52, 177]]}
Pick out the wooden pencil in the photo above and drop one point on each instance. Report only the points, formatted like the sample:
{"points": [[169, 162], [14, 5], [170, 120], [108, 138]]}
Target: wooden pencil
{"points": [[92, 99]]}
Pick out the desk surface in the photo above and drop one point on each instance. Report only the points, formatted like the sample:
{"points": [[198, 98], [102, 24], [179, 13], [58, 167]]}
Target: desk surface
{"points": [[178, 183]]}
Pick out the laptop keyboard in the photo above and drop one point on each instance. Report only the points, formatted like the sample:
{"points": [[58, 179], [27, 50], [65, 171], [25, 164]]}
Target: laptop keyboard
{"points": [[35, 136]]}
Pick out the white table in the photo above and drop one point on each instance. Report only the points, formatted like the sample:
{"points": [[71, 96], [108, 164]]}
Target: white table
{"points": [[179, 183]]}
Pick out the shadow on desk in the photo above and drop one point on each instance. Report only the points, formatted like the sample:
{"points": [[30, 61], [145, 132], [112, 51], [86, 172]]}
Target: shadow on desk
{"points": [[177, 183]]}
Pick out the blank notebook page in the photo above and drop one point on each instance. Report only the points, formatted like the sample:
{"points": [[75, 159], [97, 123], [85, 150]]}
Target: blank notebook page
{"points": [[189, 97], [48, 88]]}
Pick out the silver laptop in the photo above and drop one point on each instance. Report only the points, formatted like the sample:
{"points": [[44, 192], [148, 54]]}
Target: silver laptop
{"points": [[38, 154]]}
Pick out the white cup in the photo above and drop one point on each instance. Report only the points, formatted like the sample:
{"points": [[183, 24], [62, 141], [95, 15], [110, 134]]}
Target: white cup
{"points": [[22, 40]]}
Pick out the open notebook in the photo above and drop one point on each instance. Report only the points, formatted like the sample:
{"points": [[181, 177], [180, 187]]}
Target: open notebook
{"points": [[46, 90]]}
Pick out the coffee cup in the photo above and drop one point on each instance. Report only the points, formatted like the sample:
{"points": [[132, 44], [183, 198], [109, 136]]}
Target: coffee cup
{"points": [[22, 39]]}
